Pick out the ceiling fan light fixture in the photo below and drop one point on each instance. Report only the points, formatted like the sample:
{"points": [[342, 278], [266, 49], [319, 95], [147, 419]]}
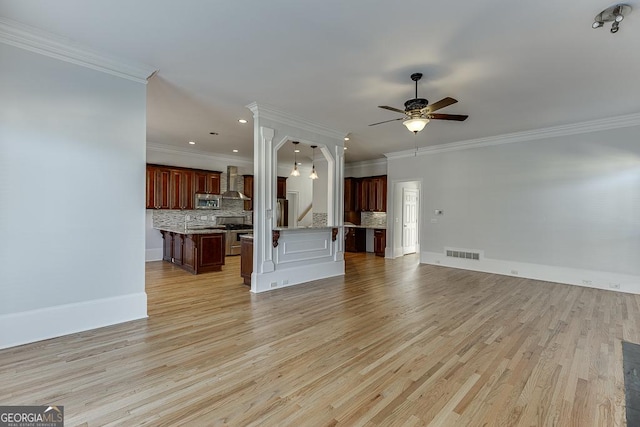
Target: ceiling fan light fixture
{"points": [[415, 125], [597, 24]]}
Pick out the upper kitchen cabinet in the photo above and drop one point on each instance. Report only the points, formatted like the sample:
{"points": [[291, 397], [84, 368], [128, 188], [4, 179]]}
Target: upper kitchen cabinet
{"points": [[207, 182], [248, 191], [282, 187], [158, 187], [350, 188], [378, 194], [367, 194], [175, 188], [181, 192]]}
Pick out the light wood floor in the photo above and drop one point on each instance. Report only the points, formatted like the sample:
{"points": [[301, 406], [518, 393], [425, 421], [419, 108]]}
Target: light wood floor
{"points": [[393, 344]]}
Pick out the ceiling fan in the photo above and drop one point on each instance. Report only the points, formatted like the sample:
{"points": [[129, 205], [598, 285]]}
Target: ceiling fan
{"points": [[417, 111]]}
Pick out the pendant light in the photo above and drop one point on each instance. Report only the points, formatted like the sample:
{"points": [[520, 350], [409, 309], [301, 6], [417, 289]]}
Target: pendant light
{"points": [[295, 171], [314, 174]]}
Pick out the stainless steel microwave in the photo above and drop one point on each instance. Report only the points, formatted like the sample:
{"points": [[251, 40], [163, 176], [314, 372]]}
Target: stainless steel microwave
{"points": [[207, 201]]}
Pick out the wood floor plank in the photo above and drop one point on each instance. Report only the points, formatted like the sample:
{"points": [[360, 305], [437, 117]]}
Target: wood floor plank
{"points": [[392, 343]]}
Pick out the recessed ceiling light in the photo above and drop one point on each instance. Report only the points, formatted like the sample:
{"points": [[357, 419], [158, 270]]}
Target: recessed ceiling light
{"points": [[243, 121], [296, 151], [235, 151], [299, 163], [192, 143], [346, 138], [345, 148]]}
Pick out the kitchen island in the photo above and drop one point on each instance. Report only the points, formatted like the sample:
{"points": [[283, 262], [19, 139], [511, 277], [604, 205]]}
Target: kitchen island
{"points": [[199, 250]]}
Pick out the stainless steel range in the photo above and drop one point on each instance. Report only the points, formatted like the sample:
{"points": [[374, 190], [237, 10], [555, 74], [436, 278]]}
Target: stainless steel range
{"points": [[234, 228]]}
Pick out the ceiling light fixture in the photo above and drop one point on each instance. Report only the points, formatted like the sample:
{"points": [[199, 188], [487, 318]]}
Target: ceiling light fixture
{"points": [[346, 138], [416, 124], [295, 171], [314, 174], [614, 14], [243, 121], [235, 151], [192, 143]]}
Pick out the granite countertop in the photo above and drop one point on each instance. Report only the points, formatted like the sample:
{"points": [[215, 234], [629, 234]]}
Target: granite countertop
{"points": [[373, 227], [181, 230], [311, 227]]}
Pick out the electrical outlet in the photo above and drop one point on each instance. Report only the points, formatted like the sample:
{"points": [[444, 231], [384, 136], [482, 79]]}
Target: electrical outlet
{"points": [[614, 285], [187, 218], [587, 282], [203, 217], [514, 272], [274, 284], [285, 282], [437, 261]]}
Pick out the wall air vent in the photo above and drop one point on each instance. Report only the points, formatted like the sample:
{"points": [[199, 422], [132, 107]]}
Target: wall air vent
{"points": [[463, 254]]}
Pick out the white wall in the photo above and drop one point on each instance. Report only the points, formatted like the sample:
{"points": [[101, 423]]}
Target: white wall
{"points": [[365, 168], [72, 168], [563, 208]]}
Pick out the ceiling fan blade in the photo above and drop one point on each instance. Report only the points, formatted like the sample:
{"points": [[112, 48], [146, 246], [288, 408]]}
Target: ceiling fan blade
{"points": [[444, 102], [391, 109], [456, 117], [387, 121]]}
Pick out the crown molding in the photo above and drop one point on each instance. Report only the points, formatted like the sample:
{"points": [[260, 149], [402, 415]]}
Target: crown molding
{"points": [[169, 149], [272, 113], [532, 135], [35, 40], [366, 163]]}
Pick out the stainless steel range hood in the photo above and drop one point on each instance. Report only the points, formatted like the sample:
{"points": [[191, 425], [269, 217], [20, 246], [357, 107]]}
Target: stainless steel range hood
{"points": [[232, 184]]}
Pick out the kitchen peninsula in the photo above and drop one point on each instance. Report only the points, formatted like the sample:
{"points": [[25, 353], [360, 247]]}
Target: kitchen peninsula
{"points": [[199, 250]]}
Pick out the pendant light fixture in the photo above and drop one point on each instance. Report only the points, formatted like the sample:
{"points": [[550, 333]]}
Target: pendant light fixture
{"points": [[295, 171], [314, 174]]}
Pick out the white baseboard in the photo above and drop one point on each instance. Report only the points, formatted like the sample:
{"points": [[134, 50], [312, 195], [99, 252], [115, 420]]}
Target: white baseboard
{"points": [[41, 324], [295, 276], [570, 276], [154, 254]]}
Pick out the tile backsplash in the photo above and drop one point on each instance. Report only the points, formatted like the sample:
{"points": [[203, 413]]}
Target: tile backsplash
{"points": [[176, 218], [373, 219], [319, 219]]}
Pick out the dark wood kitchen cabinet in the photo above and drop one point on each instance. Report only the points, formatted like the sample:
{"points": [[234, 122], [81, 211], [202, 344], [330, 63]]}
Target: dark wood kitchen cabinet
{"points": [[175, 188], [207, 182], [379, 241], [371, 194], [195, 253], [350, 188], [378, 194], [158, 187], [181, 193], [282, 188], [248, 191], [355, 239], [246, 258]]}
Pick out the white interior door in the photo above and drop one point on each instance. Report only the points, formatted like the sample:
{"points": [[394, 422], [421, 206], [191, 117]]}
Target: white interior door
{"points": [[409, 220]]}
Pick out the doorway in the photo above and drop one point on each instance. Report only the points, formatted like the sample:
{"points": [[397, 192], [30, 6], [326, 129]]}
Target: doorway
{"points": [[409, 220]]}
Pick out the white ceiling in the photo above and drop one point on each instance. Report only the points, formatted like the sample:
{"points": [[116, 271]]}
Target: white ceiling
{"points": [[513, 66]]}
